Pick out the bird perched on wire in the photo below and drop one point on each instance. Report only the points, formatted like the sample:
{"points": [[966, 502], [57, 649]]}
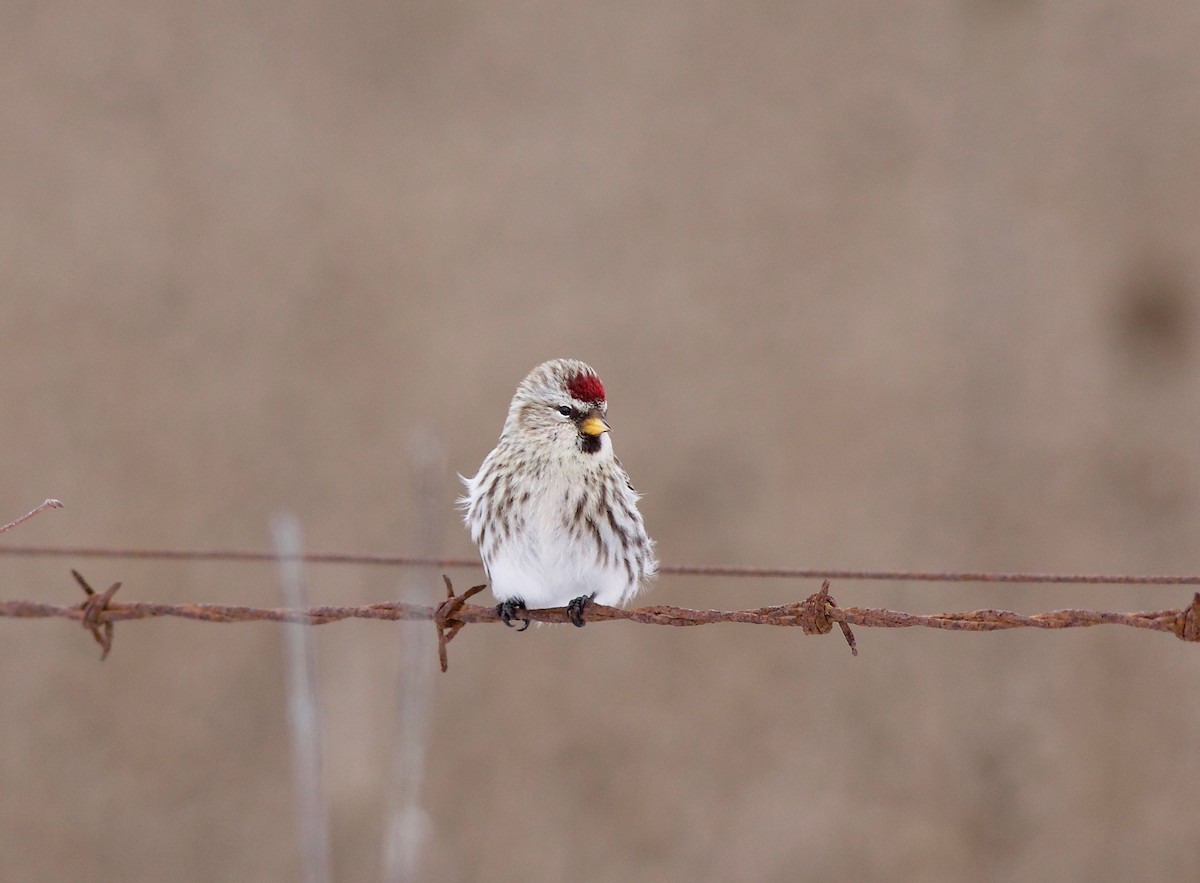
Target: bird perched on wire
{"points": [[551, 508]]}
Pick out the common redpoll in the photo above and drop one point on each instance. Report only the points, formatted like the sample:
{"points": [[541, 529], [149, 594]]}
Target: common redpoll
{"points": [[551, 508]]}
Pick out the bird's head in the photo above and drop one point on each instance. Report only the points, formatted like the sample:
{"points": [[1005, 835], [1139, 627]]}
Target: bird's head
{"points": [[560, 403]]}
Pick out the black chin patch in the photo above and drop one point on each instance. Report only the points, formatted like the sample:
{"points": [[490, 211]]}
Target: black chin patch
{"points": [[590, 443]]}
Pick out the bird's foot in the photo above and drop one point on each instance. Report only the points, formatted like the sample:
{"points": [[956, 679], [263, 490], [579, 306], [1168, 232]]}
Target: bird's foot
{"points": [[510, 610], [576, 607]]}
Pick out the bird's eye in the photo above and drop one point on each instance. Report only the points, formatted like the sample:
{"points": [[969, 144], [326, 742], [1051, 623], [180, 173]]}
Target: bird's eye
{"points": [[565, 410]]}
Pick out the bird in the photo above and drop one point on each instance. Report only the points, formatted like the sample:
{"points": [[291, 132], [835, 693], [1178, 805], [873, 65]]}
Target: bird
{"points": [[551, 508]]}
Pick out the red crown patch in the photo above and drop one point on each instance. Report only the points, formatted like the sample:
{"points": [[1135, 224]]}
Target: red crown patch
{"points": [[586, 388]]}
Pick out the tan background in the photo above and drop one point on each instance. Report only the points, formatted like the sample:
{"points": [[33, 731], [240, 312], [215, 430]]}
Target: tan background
{"points": [[870, 285]]}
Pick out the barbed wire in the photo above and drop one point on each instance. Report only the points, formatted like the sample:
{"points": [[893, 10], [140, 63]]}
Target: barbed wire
{"points": [[816, 615]]}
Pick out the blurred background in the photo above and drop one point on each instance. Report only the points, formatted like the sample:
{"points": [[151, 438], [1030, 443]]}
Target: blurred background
{"points": [[870, 285]]}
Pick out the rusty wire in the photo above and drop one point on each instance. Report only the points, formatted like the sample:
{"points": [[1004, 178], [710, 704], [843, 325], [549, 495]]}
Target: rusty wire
{"points": [[817, 614]]}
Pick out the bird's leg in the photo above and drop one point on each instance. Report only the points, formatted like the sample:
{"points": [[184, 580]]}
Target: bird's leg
{"points": [[510, 610], [575, 609]]}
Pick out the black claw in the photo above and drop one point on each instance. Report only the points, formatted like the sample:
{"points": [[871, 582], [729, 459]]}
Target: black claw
{"points": [[510, 610], [575, 609]]}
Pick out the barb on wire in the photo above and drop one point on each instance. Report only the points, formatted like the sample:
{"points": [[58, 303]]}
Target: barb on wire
{"points": [[815, 615], [94, 613], [446, 619]]}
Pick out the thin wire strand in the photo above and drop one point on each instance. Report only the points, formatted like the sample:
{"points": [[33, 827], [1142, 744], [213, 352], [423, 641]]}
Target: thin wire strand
{"points": [[732, 571]]}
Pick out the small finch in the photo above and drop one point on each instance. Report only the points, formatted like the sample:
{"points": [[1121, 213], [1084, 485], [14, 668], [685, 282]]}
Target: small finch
{"points": [[551, 509]]}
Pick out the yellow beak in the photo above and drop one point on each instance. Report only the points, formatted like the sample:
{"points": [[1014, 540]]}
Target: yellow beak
{"points": [[593, 426]]}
